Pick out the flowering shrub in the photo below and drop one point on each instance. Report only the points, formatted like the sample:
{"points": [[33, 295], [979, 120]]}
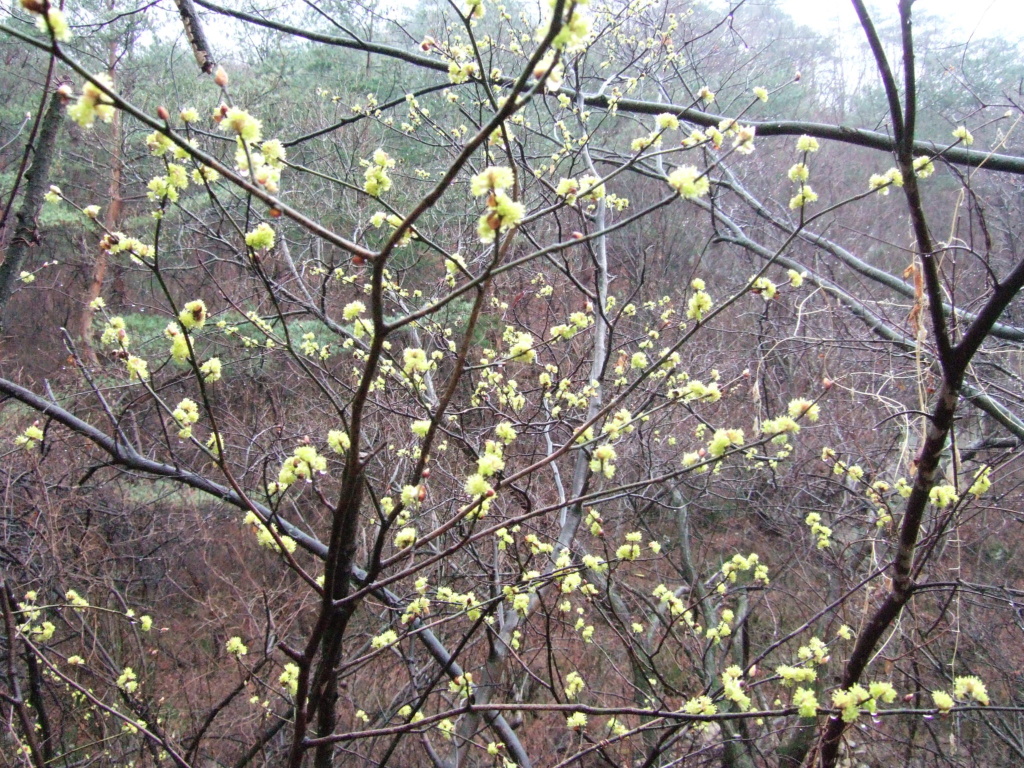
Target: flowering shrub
{"points": [[512, 426]]}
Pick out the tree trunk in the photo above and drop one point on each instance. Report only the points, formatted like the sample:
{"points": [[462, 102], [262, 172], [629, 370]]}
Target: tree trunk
{"points": [[26, 231], [83, 323]]}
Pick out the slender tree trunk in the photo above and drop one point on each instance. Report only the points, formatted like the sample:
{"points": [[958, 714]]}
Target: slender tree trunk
{"points": [[26, 231], [111, 218]]}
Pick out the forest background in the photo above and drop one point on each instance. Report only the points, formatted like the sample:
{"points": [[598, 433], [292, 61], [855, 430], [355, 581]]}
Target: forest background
{"points": [[516, 385]]}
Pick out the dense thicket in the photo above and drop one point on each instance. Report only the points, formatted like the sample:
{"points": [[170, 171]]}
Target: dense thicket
{"points": [[524, 385]]}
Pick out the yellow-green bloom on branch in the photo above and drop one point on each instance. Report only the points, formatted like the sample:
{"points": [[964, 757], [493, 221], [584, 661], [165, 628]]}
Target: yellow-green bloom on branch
{"points": [[137, 367], [688, 182], [261, 238], [503, 214], [93, 103], [242, 123], [964, 135], [803, 197], [193, 315], [494, 179], [807, 144], [53, 21], [211, 370], [29, 437]]}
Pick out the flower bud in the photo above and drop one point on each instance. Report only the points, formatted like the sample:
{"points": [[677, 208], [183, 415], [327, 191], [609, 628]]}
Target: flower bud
{"points": [[220, 77], [162, 113]]}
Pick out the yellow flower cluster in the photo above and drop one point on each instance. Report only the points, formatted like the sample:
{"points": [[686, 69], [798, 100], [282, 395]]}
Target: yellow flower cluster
{"points": [[405, 538], [50, 20], [602, 461], [29, 437], [137, 367], [970, 687], [883, 181], [963, 135], [93, 103], [792, 675], [264, 166], [631, 549], [823, 532], [576, 720], [339, 441], [805, 702], [982, 482], [462, 685], [386, 638], [723, 440], [739, 564], [732, 688], [301, 465], [211, 370], [128, 682], [689, 182], [289, 679], [503, 212], [265, 535], [943, 496], [261, 238], [852, 700], [185, 414], [700, 705], [193, 315], [923, 166], [375, 177], [245, 126]]}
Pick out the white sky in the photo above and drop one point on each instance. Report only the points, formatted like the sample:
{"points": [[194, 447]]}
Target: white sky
{"points": [[966, 18]]}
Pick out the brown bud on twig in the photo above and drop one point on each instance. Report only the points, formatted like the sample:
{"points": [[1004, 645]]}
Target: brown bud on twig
{"points": [[162, 113], [827, 383], [220, 77]]}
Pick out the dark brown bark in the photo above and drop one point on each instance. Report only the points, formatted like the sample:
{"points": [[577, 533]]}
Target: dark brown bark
{"points": [[26, 231], [196, 36], [953, 361]]}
